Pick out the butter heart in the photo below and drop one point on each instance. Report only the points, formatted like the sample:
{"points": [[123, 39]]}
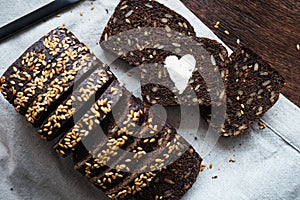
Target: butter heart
{"points": [[180, 70]]}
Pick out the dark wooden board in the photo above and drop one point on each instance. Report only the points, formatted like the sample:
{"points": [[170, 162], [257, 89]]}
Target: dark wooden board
{"points": [[271, 28]]}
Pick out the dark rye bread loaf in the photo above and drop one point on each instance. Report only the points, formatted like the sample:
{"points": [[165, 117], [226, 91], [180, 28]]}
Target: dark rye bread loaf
{"points": [[56, 93], [69, 111], [131, 18], [252, 88]]}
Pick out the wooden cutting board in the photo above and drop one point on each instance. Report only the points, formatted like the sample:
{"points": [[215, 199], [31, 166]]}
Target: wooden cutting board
{"points": [[271, 28]]}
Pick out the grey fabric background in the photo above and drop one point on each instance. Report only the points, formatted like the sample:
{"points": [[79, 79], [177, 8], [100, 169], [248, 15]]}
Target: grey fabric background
{"points": [[267, 161]]}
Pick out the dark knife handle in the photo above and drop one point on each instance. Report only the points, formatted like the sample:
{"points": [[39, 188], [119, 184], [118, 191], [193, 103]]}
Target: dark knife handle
{"points": [[34, 17]]}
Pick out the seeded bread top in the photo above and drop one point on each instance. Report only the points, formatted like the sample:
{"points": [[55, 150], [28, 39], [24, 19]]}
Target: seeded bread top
{"points": [[32, 62]]}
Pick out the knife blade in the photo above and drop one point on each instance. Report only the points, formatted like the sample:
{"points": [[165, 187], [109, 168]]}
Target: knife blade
{"points": [[34, 17]]}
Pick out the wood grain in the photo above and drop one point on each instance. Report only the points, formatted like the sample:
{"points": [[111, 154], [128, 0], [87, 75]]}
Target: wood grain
{"points": [[271, 28]]}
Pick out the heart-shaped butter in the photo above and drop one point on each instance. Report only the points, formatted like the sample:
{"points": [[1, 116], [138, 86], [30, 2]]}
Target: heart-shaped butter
{"points": [[180, 70]]}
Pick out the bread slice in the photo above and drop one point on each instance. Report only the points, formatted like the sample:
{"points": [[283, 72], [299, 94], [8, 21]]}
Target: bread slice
{"points": [[132, 21], [174, 181], [69, 111], [252, 88]]}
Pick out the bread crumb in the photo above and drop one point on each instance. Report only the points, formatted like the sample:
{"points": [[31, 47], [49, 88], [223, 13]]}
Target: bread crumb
{"points": [[81, 13], [210, 166], [92, 7], [232, 160], [202, 167]]}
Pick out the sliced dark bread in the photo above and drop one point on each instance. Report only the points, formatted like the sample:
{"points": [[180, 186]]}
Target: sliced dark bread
{"points": [[33, 61], [252, 88], [128, 23], [118, 130], [60, 88], [118, 183], [134, 168], [63, 119], [132, 158], [151, 166], [174, 181], [91, 120]]}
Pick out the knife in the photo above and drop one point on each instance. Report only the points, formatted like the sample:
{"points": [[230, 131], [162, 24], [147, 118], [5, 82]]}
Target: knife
{"points": [[34, 17]]}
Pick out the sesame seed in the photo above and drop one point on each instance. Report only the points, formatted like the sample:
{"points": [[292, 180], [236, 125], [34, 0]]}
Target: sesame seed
{"points": [[148, 5], [127, 21], [262, 125], [226, 32], [152, 140], [217, 24]]}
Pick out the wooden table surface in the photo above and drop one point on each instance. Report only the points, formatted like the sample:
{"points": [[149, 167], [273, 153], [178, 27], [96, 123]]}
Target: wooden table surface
{"points": [[271, 28]]}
